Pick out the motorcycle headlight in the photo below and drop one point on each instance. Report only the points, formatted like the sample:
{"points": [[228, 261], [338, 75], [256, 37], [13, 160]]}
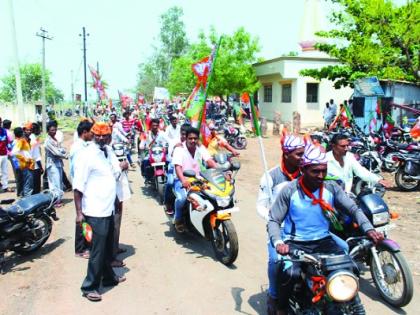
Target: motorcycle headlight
{"points": [[380, 218], [223, 201], [157, 158], [342, 286]]}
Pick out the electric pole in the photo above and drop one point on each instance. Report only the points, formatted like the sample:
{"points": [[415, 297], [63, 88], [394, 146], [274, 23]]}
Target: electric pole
{"points": [[72, 87], [44, 36], [19, 97], [84, 66]]}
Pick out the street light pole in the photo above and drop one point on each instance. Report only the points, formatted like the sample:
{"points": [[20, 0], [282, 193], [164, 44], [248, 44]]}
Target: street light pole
{"points": [[84, 65], [44, 36]]}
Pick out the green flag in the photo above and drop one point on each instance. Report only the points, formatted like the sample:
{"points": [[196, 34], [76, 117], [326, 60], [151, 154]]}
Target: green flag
{"points": [[254, 112]]}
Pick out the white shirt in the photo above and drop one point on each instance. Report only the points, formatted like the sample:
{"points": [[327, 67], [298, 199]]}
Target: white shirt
{"points": [[77, 146], [59, 136], [95, 176], [351, 168], [183, 157], [35, 149], [173, 133]]}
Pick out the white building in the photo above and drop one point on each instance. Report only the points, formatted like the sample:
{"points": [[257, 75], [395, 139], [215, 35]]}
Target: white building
{"points": [[284, 90]]}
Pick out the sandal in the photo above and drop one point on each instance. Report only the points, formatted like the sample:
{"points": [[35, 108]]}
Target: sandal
{"points": [[92, 296]]}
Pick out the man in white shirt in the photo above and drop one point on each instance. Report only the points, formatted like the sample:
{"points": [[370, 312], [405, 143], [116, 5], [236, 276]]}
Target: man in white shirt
{"points": [[96, 172], [333, 109], [81, 247], [188, 157], [343, 164], [38, 170], [173, 130]]}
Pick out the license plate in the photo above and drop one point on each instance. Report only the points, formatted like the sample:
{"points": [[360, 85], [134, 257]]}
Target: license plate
{"points": [[386, 228], [230, 210], [158, 164]]}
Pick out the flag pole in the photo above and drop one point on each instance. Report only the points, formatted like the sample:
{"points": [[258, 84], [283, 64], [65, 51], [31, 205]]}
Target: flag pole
{"points": [[206, 88], [261, 145]]}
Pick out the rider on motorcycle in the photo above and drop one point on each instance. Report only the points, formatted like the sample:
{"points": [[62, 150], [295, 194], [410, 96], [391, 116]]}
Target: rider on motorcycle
{"points": [[119, 135], [344, 165], [307, 206], [292, 148], [218, 143], [188, 157]]}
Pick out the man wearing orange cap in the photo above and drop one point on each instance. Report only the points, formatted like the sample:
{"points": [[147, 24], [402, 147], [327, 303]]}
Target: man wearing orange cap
{"points": [[97, 166]]}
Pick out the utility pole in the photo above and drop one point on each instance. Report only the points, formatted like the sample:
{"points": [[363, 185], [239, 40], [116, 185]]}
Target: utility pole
{"points": [[44, 36], [97, 67], [84, 66], [19, 97]]}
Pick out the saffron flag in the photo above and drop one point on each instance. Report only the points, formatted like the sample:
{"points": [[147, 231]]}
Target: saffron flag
{"points": [[97, 84], [196, 107], [202, 69]]}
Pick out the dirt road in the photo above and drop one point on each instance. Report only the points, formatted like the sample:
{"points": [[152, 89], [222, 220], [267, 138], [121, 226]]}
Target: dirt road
{"points": [[172, 274]]}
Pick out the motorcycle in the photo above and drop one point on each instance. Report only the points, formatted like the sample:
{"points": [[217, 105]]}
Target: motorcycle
{"points": [[388, 267], [120, 151], [210, 203], [26, 225], [156, 172], [329, 285], [235, 137], [407, 176]]}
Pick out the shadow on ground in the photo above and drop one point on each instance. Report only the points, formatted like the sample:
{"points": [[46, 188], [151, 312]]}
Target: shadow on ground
{"points": [[256, 301], [13, 262]]}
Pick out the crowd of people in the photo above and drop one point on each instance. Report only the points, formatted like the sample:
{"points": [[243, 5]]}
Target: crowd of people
{"points": [[292, 196]]}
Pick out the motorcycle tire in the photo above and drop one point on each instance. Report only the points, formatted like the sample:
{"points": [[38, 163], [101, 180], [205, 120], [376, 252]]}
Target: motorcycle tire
{"points": [[225, 243], [160, 187], [240, 143], [403, 184], [30, 248], [391, 272]]}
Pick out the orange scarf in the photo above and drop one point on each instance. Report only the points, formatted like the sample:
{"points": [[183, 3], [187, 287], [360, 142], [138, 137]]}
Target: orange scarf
{"points": [[327, 209], [291, 176]]}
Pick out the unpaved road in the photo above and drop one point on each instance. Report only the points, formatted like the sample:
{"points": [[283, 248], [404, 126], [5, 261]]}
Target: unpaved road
{"points": [[172, 274]]}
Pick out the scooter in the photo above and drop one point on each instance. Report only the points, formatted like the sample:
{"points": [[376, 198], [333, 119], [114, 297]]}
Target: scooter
{"points": [[26, 225], [208, 210], [156, 172]]}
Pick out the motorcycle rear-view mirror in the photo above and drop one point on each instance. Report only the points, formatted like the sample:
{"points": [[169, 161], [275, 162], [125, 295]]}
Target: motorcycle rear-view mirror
{"points": [[189, 173], [236, 166], [6, 201]]}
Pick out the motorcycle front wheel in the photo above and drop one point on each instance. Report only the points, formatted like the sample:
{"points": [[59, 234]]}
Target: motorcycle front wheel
{"points": [[225, 242], [240, 143], [397, 286], [160, 184], [42, 230], [406, 184]]}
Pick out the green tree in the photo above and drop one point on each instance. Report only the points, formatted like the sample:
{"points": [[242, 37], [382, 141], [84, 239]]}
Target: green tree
{"points": [[233, 72], [31, 77], [371, 38], [172, 44]]}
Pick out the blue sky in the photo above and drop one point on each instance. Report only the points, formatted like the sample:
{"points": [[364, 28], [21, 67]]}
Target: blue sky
{"points": [[122, 32]]}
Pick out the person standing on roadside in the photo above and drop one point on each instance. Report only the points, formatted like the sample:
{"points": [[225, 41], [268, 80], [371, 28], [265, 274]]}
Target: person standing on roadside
{"points": [[54, 154], [35, 142], [81, 246], [97, 166], [23, 163], [4, 144]]}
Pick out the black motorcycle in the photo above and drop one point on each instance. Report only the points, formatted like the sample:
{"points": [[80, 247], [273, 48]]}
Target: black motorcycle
{"points": [[235, 137], [26, 225], [388, 267], [329, 285], [407, 176]]}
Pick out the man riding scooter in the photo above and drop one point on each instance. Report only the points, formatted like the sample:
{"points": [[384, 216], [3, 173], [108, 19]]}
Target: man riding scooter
{"points": [[308, 206]]}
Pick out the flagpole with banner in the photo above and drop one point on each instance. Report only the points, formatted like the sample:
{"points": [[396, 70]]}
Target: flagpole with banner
{"points": [[257, 130]]}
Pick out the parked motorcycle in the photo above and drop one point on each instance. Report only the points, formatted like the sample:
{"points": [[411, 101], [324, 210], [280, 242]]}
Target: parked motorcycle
{"points": [[407, 176], [26, 225], [329, 285], [388, 267], [208, 210], [235, 137]]}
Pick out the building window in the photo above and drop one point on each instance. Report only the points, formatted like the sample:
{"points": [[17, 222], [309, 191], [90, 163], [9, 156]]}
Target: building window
{"points": [[312, 92], [268, 93], [286, 93]]}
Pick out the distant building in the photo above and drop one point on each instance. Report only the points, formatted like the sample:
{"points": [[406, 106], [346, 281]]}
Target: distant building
{"points": [[284, 90]]}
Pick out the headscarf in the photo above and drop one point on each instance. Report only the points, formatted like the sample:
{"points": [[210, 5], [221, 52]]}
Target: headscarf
{"points": [[313, 155], [101, 129], [290, 143]]}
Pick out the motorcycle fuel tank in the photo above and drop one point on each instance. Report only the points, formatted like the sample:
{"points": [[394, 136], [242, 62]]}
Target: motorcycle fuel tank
{"points": [[373, 206]]}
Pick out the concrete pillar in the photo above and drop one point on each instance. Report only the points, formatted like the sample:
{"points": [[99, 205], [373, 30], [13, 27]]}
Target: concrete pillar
{"points": [[296, 122]]}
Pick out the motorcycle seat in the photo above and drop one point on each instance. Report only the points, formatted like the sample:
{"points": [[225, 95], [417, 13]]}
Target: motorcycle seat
{"points": [[28, 204]]}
